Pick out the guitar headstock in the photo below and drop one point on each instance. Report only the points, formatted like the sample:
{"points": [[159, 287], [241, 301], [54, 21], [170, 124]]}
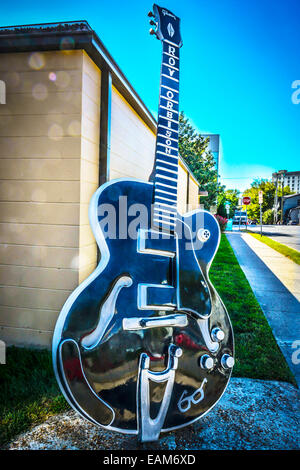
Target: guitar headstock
{"points": [[167, 25]]}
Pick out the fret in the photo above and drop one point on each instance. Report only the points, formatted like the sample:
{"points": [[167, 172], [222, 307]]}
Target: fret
{"points": [[164, 213], [158, 190], [166, 169], [169, 88], [169, 162], [164, 179], [158, 183], [170, 72], [167, 173], [164, 198], [169, 178], [165, 140], [174, 165], [168, 119], [168, 146], [167, 154], [164, 192], [164, 111], [166, 207], [168, 128], [172, 190], [171, 66], [172, 43], [170, 104], [171, 55], [169, 109], [166, 75], [164, 210], [162, 222], [170, 78], [165, 218], [169, 99], [170, 208], [167, 137]]}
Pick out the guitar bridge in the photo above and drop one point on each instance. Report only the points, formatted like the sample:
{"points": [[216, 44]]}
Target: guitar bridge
{"points": [[148, 428]]}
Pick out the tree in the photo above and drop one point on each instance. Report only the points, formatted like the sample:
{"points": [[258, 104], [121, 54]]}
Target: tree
{"points": [[267, 217], [268, 188], [231, 196], [193, 149]]}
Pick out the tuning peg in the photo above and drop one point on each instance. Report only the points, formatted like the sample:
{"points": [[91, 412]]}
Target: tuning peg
{"points": [[153, 23], [150, 14], [151, 31]]}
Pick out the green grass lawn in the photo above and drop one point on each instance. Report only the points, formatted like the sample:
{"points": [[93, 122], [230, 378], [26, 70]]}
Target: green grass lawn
{"points": [[256, 348], [294, 255], [29, 392]]}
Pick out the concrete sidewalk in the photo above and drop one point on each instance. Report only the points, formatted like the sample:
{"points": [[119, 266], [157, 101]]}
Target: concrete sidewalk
{"points": [[275, 281], [288, 235]]}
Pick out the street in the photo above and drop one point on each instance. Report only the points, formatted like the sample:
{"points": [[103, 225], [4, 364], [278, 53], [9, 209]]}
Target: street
{"points": [[286, 234]]}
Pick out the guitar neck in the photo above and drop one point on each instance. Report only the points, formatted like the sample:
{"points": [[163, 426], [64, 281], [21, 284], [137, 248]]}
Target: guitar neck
{"points": [[166, 152]]}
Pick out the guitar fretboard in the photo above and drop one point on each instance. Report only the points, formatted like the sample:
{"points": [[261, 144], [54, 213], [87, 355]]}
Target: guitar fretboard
{"points": [[166, 153]]}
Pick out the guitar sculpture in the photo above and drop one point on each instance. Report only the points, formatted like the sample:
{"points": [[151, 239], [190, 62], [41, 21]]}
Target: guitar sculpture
{"points": [[144, 345]]}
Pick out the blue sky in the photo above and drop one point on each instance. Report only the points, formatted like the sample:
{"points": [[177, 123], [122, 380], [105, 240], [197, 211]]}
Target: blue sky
{"points": [[238, 62]]}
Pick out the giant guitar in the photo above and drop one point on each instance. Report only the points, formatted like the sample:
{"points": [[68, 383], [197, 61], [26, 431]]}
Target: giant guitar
{"points": [[144, 345]]}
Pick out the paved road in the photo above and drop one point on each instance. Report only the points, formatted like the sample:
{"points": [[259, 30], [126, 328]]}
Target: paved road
{"points": [[275, 281], [286, 234]]}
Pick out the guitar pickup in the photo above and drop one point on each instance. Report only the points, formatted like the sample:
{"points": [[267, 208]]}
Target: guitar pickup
{"points": [[156, 243], [154, 322], [156, 297]]}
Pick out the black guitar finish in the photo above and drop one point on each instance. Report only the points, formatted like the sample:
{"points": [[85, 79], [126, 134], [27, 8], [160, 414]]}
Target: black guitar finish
{"points": [[110, 367], [145, 344]]}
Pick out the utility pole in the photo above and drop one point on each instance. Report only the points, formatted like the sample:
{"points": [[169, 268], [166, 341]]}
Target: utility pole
{"points": [[282, 174], [260, 201], [275, 199]]}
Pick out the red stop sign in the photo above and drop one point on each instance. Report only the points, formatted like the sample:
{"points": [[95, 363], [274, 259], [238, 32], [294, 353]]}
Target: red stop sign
{"points": [[246, 200]]}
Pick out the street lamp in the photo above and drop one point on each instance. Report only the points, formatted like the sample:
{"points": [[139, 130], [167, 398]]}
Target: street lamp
{"points": [[282, 173]]}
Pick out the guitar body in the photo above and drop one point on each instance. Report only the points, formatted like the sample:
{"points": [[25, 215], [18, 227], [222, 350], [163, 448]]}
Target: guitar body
{"points": [[98, 350], [144, 344]]}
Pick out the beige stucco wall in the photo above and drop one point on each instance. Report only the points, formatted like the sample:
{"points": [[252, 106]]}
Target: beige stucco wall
{"points": [[132, 142], [182, 189], [49, 143], [193, 197]]}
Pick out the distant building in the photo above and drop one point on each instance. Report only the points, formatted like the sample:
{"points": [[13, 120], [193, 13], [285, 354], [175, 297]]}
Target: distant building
{"points": [[214, 147], [290, 178], [291, 208]]}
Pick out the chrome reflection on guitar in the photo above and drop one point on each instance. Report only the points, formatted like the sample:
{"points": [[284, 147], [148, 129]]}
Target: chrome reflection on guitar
{"points": [[144, 345], [149, 428]]}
